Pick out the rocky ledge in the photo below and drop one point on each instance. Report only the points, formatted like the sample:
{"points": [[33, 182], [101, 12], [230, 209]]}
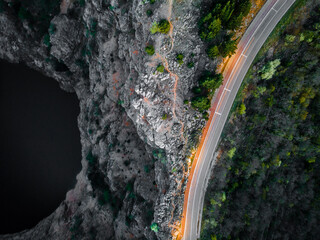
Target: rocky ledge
{"points": [[136, 130]]}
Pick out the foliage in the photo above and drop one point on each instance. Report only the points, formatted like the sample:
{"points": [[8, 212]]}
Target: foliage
{"points": [[228, 47], [150, 50], [211, 27], [154, 227], [269, 69], [149, 12], [221, 17], [165, 116], [242, 109], [152, 1], [162, 27], [201, 103], [213, 51], [271, 180], [290, 38], [180, 58], [190, 64], [211, 81], [208, 83], [160, 68]]}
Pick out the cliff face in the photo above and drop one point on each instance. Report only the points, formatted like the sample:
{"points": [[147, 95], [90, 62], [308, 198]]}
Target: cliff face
{"points": [[135, 130]]}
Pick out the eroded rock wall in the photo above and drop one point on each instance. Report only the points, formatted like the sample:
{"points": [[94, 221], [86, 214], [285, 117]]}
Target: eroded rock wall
{"points": [[135, 130]]}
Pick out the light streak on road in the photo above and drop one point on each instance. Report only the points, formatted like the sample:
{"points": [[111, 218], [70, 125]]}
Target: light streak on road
{"points": [[235, 71]]}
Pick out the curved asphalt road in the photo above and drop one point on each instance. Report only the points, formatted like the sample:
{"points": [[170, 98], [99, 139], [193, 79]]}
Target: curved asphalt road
{"points": [[255, 36]]}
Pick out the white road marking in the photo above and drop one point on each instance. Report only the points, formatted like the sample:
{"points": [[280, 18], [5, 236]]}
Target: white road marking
{"points": [[218, 113], [227, 89]]}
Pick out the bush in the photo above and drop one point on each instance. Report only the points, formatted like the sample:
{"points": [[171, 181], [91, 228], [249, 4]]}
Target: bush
{"points": [[201, 103], [160, 68], [211, 81], [149, 50], [211, 26], [180, 58], [269, 69], [154, 227], [163, 27], [290, 38], [229, 47], [149, 12], [152, 1], [242, 109], [190, 64], [213, 52], [165, 116]]}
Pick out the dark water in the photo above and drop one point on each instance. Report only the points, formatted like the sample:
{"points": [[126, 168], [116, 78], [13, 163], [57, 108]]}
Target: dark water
{"points": [[40, 148]]}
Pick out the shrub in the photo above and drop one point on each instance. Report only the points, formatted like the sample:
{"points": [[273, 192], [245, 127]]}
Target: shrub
{"points": [[201, 103], [154, 227], [149, 12], [269, 69], [213, 52], [242, 109], [290, 38], [186, 102], [152, 1], [190, 64], [211, 26], [163, 27], [165, 116], [211, 81], [160, 68], [149, 50], [228, 48], [180, 58]]}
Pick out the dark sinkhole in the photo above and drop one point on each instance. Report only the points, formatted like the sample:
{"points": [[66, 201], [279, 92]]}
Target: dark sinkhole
{"points": [[40, 151]]}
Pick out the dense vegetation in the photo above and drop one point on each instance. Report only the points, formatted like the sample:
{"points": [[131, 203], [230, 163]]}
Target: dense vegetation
{"points": [[214, 29], [208, 83], [266, 184], [215, 23]]}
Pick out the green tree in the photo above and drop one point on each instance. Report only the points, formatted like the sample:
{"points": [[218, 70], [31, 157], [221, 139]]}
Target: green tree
{"points": [[201, 103], [269, 69], [160, 68], [149, 50], [164, 26], [229, 47], [213, 51], [212, 81], [180, 58], [242, 109], [154, 227], [290, 38]]}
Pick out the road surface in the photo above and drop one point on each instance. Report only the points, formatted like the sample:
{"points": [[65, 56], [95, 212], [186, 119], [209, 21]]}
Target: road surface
{"points": [[236, 69]]}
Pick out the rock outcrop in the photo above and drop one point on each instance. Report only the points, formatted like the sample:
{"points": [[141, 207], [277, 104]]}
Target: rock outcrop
{"points": [[136, 132]]}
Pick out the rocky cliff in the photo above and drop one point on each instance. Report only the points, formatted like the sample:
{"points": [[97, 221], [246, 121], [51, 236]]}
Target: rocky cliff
{"points": [[136, 132]]}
